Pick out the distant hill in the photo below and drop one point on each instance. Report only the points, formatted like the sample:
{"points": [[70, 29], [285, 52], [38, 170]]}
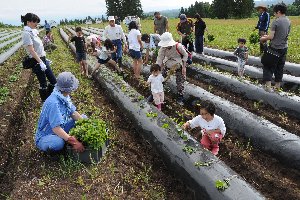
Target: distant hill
{"points": [[270, 2]]}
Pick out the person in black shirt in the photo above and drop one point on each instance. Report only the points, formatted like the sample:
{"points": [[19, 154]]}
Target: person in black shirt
{"points": [[80, 50], [200, 27]]}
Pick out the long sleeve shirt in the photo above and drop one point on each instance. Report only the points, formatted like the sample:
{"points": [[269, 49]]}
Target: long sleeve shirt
{"points": [[171, 57], [263, 22], [114, 33]]}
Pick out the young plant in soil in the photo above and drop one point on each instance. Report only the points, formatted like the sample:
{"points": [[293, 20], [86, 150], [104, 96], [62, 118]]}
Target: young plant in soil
{"points": [[224, 184], [188, 149]]}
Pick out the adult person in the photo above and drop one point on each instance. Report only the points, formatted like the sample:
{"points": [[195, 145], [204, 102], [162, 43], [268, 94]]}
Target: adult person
{"points": [[280, 29], [58, 116], [48, 41], [35, 49], [150, 44], [169, 59], [200, 28], [263, 23], [185, 29], [117, 20], [115, 33], [135, 46], [47, 26], [161, 23]]}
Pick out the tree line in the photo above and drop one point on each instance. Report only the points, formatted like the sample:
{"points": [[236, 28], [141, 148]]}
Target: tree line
{"points": [[224, 9]]}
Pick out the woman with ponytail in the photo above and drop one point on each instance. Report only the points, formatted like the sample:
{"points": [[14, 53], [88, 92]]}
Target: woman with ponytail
{"points": [[35, 49]]}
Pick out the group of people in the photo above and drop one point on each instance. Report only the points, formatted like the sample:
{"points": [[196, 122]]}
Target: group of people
{"points": [[58, 113]]}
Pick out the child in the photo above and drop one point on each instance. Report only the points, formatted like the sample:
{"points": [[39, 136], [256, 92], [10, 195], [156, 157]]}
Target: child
{"points": [[135, 46], [48, 41], [156, 80], [213, 127], [242, 54], [102, 54], [80, 50], [150, 43]]}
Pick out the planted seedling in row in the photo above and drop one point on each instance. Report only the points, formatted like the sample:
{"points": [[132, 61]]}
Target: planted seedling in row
{"points": [[224, 184], [203, 164], [188, 149], [151, 114], [166, 126]]}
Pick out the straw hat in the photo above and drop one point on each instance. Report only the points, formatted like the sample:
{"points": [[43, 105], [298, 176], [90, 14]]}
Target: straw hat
{"points": [[166, 40], [264, 7]]}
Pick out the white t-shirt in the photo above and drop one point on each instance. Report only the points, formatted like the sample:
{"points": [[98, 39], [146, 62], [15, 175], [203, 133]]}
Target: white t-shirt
{"points": [[133, 41], [102, 53], [156, 83], [30, 37], [216, 123], [114, 33]]}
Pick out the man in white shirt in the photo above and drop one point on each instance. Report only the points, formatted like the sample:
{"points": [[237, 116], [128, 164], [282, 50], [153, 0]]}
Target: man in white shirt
{"points": [[115, 33]]}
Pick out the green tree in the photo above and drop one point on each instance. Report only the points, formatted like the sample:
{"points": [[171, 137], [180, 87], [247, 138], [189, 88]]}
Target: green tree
{"points": [[123, 8], [222, 9]]}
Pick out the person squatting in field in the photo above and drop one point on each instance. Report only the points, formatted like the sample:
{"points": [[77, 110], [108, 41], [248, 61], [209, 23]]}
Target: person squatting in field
{"points": [[80, 50], [48, 42], [58, 116], [150, 44], [213, 127], [173, 56], [35, 49], [102, 54], [115, 33], [242, 55]]}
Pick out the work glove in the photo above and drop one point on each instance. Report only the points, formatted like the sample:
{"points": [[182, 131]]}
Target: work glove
{"points": [[77, 146], [49, 62], [43, 66]]}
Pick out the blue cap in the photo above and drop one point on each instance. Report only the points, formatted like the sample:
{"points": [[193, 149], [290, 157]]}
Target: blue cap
{"points": [[66, 82]]}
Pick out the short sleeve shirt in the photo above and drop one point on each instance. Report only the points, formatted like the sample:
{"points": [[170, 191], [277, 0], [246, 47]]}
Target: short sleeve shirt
{"points": [[29, 38], [281, 26], [133, 41], [156, 83], [185, 27], [161, 24], [216, 123], [102, 53], [79, 43], [54, 113], [241, 52]]}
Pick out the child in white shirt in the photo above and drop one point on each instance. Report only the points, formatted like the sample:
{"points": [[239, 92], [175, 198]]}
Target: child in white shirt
{"points": [[102, 54], [156, 81], [213, 127]]}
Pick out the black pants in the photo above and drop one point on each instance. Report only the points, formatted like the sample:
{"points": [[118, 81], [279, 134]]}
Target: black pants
{"points": [[277, 70], [42, 76], [189, 45], [199, 43]]}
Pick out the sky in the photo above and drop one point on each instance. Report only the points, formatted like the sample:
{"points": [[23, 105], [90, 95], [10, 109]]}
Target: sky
{"points": [[11, 10]]}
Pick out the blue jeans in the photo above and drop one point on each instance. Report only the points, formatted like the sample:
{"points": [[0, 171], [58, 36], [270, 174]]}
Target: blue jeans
{"points": [[53, 142], [199, 43], [116, 56]]}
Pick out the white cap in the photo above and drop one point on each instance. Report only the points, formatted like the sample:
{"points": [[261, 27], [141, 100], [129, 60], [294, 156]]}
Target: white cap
{"points": [[111, 18]]}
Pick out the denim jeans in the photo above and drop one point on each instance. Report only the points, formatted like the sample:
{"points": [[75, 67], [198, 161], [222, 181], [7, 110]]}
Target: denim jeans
{"points": [[116, 56], [53, 142], [199, 44], [42, 75]]}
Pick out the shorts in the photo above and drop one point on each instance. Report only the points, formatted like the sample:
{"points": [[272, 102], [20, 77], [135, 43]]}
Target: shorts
{"points": [[101, 61], [135, 54], [80, 56], [241, 64], [158, 97]]}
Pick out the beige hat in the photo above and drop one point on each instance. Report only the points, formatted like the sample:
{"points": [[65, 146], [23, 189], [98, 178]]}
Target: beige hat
{"points": [[166, 40], [261, 6], [111, 18]]}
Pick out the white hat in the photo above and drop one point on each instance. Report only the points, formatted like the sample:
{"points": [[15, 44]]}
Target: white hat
{"points": [[166, 40], [111, 18]]}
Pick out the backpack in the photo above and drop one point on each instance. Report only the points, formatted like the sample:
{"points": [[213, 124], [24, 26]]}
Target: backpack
{"points": [[189, 59]]}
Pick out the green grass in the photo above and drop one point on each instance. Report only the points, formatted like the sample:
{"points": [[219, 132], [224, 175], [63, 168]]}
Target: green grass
{"points": [[227, 32]]}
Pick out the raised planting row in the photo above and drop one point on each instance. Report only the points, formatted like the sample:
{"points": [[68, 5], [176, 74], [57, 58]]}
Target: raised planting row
{"points": [[289, 68], [4, 56], [149, 122], [283, 101], [10, 41], [289, 81], [10, 35], [93, 31], [262, 133]]}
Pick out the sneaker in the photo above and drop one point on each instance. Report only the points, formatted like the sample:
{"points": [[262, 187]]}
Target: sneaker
{"points": [[180, 101]]}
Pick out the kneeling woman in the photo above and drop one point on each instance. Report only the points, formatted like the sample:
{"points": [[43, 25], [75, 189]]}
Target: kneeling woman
{"points": [[213, 127], [58, 116]]}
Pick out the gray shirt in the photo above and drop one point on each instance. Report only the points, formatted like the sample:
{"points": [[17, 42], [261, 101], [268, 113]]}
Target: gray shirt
{"points": [[241, 52], [29, 38], [161, 24], [281, 26]]}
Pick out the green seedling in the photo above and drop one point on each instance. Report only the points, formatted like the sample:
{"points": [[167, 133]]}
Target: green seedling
{"points": [[203, 164], [165, 125], [141, 98], [189, 149], [13, 78], [224, 184], [151, 114]]}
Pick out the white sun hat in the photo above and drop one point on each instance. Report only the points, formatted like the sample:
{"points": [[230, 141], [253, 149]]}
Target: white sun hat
{"points": [[111, 18], [166, 40]]}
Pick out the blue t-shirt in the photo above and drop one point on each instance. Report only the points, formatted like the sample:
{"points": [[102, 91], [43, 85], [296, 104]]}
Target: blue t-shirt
{"points": [[55, 112]]}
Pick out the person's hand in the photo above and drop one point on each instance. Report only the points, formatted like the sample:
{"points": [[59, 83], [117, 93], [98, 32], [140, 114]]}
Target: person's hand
{"points": [[77, 146], [203, 131], [184, 71], [185, 126], [43, 66]]}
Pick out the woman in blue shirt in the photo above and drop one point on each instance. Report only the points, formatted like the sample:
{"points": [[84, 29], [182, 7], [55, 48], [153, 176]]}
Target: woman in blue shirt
{"points": [[58, 116]]}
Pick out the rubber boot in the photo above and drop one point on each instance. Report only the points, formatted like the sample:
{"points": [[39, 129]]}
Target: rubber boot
{"points": [[50, 88], [120, 63], [43, 94]]}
